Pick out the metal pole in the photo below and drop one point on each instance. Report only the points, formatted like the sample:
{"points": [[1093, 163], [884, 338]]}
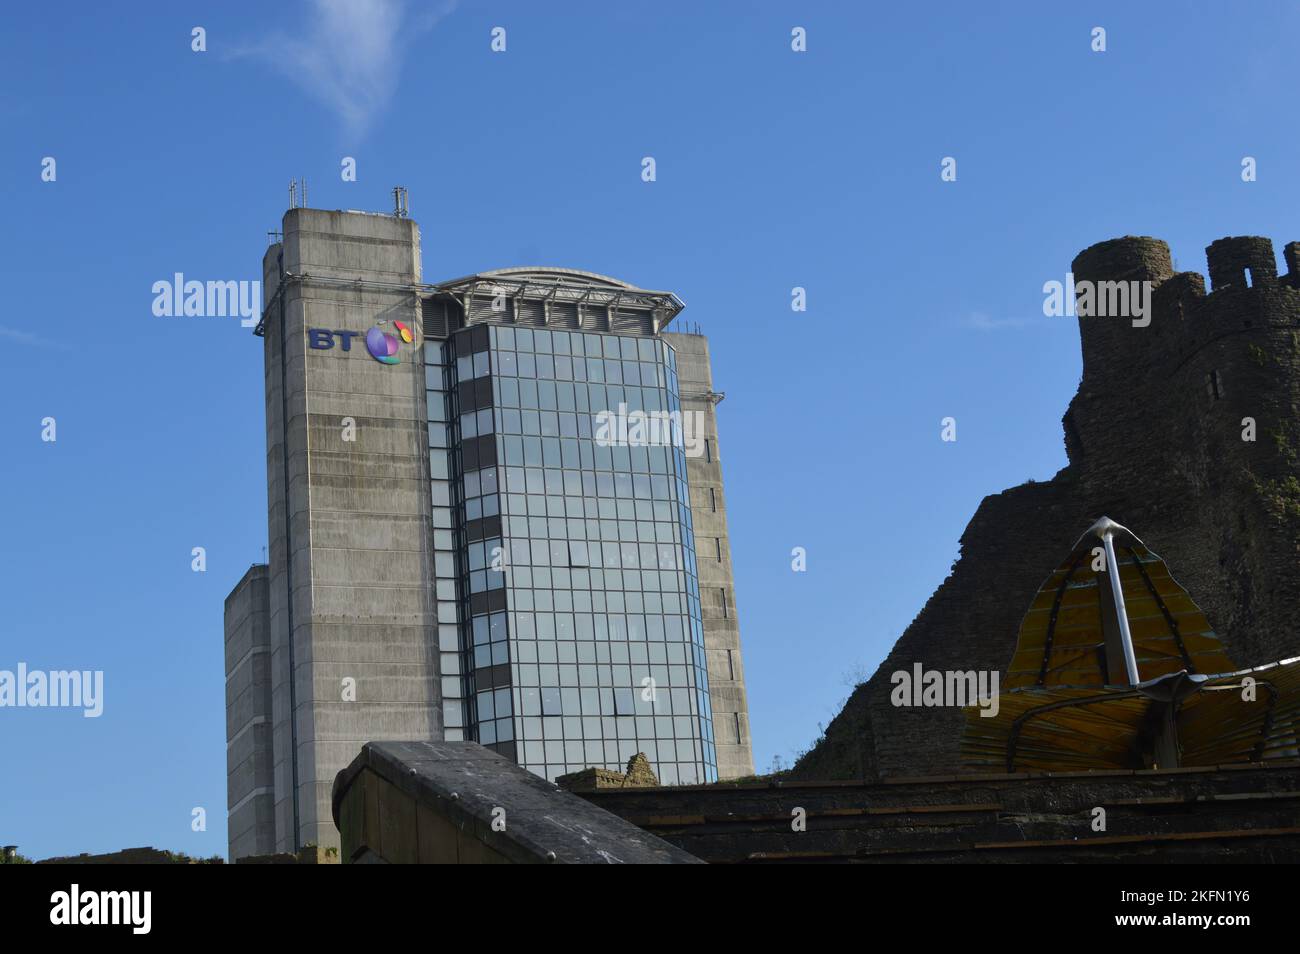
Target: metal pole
{"points": [[1126, 638]]}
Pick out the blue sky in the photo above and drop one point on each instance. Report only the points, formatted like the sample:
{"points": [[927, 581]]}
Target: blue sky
{"points": [[775, 169]]}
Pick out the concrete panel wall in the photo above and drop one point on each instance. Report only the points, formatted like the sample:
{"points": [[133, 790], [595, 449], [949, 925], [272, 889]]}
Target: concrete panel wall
{"points": [[713, 558], [249, 760], [349, 518]]}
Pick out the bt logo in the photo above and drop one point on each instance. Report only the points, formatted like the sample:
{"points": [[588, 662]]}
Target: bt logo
{"points": [[382, 346]]}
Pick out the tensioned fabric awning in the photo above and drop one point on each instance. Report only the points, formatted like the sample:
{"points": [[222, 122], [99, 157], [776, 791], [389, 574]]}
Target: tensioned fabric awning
{"points": [[1071, 703]]}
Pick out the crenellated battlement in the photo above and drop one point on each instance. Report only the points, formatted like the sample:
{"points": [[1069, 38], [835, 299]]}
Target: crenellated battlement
{"points": [[1245, 295], [1242, 262]]}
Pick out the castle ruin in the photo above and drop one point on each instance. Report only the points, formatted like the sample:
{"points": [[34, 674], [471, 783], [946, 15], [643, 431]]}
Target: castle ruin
{"points": [[1158, 438]]}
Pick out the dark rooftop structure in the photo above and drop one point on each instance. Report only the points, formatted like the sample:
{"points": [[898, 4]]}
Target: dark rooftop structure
{"points": [[410, 802], [459, 803]]}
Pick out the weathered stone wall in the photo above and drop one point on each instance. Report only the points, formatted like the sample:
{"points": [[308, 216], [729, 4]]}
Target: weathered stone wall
{"points": [[460, 803], [1154, 438], [1243, 814]]}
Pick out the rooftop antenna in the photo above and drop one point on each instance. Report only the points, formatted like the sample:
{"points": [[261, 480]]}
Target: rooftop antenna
{"points": [[293, 193], [304, 192], [400, 209]]}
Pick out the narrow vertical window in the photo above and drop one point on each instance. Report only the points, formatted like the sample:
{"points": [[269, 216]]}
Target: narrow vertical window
{"points": [[722, 596], [1214, 385]]}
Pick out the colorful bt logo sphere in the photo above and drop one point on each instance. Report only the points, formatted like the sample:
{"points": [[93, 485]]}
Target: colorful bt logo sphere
{"points": [[383, 346]]}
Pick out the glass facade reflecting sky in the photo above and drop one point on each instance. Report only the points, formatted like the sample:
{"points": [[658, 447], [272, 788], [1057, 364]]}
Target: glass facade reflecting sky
{"points": [[568, 597]]}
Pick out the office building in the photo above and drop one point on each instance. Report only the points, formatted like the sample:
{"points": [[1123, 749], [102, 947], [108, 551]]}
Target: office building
{"points": [[495, 514]]}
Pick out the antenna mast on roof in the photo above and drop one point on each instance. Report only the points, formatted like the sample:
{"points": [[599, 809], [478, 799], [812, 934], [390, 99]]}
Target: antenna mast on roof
{"points": [[400, 209]]}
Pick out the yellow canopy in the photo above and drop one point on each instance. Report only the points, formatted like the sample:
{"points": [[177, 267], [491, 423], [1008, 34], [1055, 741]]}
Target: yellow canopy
{"points": [[1069, 703]]}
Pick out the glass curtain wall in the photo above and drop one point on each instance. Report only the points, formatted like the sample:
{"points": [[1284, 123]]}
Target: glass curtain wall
{"points": [[578, 632]]}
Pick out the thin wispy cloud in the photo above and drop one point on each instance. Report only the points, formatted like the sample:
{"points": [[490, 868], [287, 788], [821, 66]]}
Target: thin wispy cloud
{"points": [[979, 321], [27, 338], [349, 55]]}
